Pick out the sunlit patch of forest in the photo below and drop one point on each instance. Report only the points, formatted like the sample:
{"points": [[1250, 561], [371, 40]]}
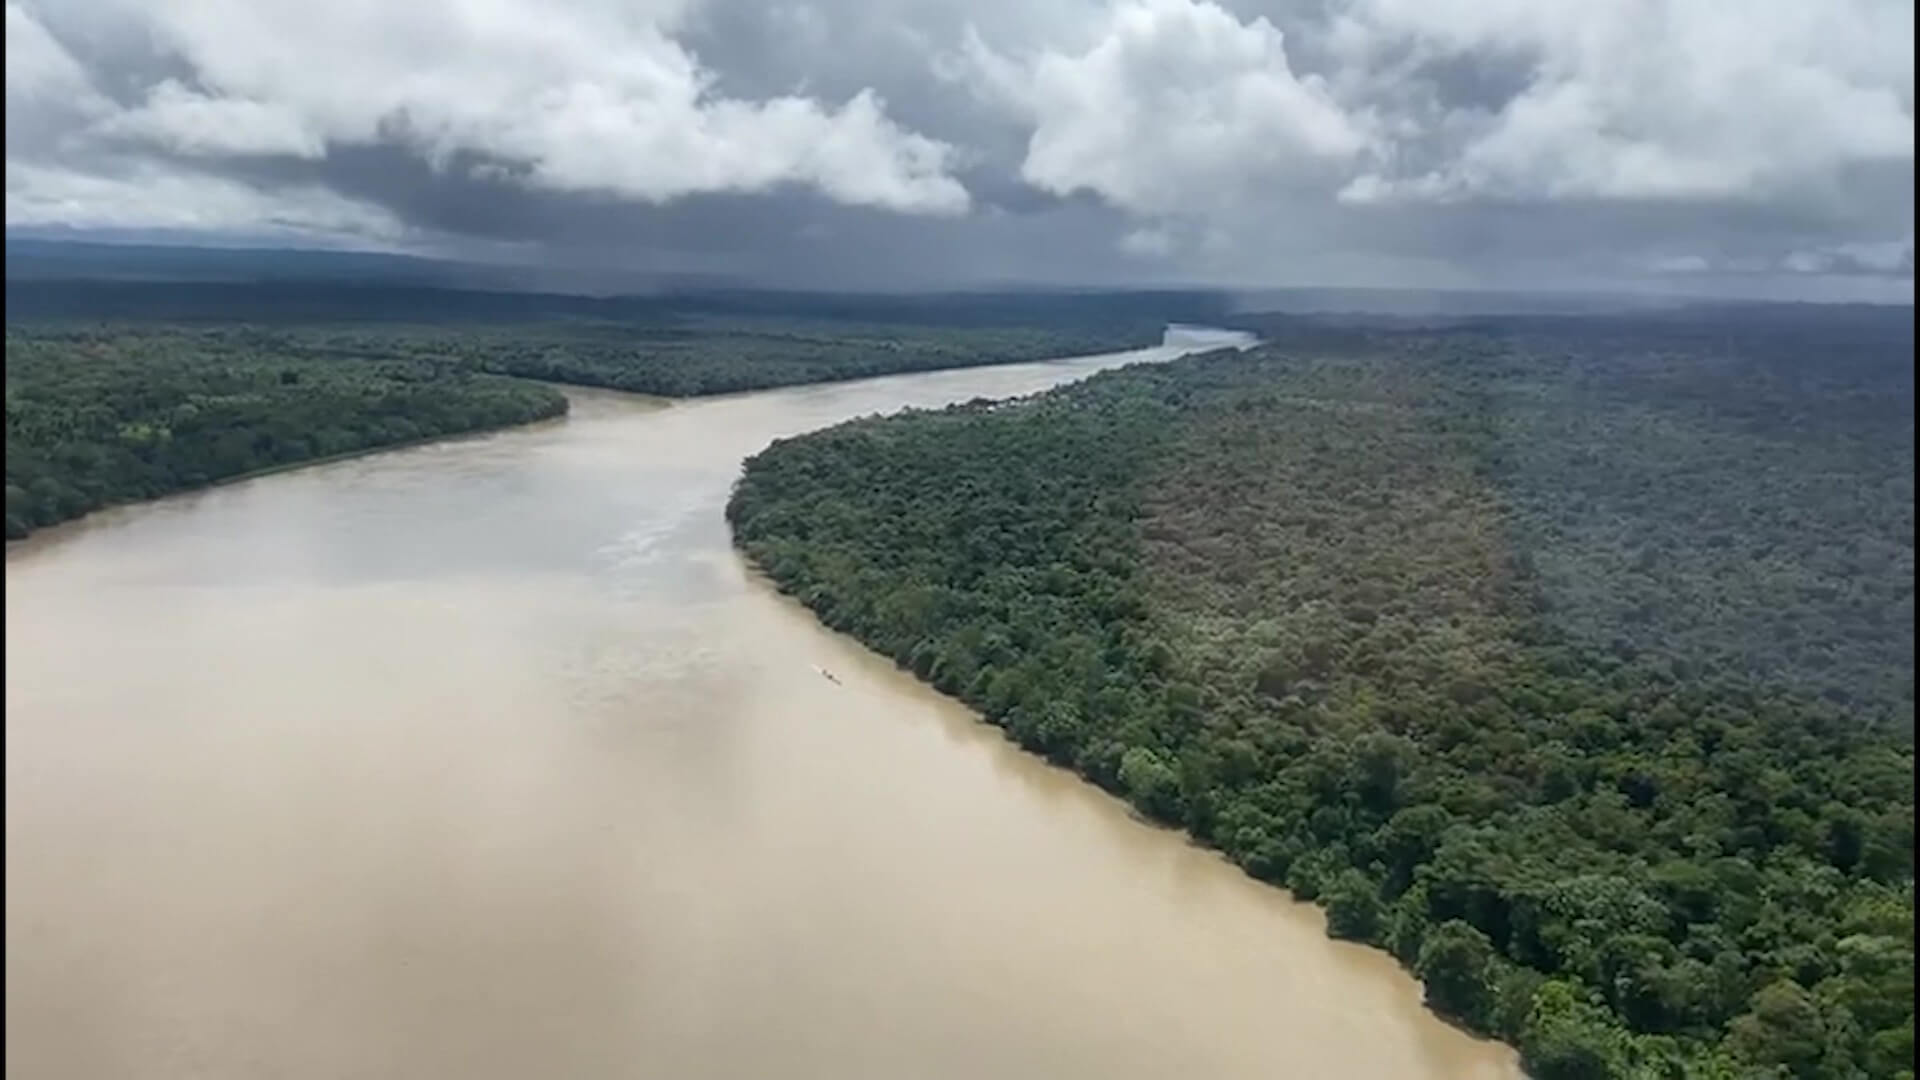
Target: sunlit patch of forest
{"points": [[1572, 667]]}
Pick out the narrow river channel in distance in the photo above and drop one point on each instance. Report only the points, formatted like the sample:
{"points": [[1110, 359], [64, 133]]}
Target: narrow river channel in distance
{"points": [[491, 759]]}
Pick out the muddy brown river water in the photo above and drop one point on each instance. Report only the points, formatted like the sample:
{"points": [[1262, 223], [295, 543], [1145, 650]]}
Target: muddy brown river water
{"points": [[490, 759]]}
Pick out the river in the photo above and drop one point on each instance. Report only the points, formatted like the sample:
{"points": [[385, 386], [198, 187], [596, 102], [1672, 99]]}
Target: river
{"points": [[490, 759]]}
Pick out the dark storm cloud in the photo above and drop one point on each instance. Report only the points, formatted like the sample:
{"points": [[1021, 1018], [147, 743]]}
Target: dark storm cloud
{"points": [[1396, 142]]}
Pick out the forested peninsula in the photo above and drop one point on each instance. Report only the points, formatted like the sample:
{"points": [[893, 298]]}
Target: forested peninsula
{"points": [[99, 417], [108, 412], [1573, 668]]}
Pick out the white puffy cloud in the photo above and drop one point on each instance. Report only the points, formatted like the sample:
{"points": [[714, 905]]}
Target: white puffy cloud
{"points": [[1148, 243], [1499, 142], [37, 66], [1892, 257], [1668, 99], [49, 94], [1173, 99], [35, 62], [584, 96], [1871, 259], [1185, 110], [1679, 264], [1680, 99], [156, 197], [190, 124]]}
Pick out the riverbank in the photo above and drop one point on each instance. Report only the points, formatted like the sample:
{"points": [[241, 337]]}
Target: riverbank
{"points": [[99, 417], [1310, 637], [105, 415], [490, 760], [53, 533]]}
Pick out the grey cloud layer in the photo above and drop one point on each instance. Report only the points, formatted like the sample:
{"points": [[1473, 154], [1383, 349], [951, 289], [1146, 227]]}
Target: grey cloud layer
{"points": [[1404, 141]]}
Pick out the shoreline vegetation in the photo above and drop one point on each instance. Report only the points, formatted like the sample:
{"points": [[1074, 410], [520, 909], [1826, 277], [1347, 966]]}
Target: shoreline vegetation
{"points": [[104, 414], [47, 532], [1569, 665], [98, 417], [1566, 659]]}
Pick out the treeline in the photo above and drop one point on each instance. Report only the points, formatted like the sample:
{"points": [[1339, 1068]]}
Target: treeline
{"points": [[110, 416], [692, 357], [1344, 617], [108, 412], [727, 358]]}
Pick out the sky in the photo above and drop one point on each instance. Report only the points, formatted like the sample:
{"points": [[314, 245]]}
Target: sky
{"points": [[1734, 147]]}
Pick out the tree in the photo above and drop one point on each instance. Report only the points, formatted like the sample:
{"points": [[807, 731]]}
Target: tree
{"points": [[1566, 1037], [1150, 783], [1353, 906], [1455, 961], [1784, 1027], [1524, 635]]}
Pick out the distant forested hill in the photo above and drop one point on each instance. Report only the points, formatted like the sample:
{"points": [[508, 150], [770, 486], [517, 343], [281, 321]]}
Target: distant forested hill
{"points": [[1569, 660]]}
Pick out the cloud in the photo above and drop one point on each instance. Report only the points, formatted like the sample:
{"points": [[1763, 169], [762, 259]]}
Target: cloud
{"points": [[49, 94], [1890, 258], [189, 123], [1656, 101], [1679, 264], [1648, 101], [1173, 98], [584, 97], [1398, 142], [1319, 127], [1887, 259], [153, 197], [1148, 243], [37, 66]]}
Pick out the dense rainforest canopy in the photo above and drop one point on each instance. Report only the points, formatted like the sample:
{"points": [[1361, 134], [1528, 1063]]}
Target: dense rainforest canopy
{"points": [[1570, 660], [111, 412], [1572, 667], [702, 356], [96, 417]]}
